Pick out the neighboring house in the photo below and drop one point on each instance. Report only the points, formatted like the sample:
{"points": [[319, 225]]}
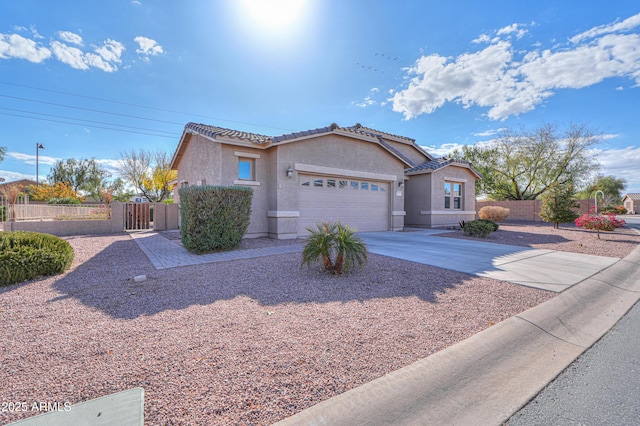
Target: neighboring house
{"points": [[22, 183], [632, 203], [371, 180]]}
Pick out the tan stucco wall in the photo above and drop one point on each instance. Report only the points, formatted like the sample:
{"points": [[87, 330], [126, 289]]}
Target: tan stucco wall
{"points": [[259, 226], [425, 198], [200, 162], [408, 150]]}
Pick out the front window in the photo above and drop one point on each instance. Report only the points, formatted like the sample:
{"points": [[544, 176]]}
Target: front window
{"points": [[246, 168], [452, 196]]}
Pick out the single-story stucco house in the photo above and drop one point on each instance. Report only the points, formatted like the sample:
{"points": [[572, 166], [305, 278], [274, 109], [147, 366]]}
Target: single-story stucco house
{"points": [[632, 203], [365, 178]]}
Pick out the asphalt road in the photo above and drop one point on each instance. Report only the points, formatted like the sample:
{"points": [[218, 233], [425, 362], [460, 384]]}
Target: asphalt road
{"points": [[602, 387]]}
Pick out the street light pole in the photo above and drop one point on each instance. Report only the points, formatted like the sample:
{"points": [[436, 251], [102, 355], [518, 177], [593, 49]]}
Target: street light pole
{"points": [[39, 146]]}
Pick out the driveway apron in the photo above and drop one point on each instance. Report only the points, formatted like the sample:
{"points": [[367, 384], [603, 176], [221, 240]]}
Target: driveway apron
{"points": [[545, 269]]}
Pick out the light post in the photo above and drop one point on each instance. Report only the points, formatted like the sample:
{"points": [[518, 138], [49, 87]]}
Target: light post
{"points": [[39, 146]]}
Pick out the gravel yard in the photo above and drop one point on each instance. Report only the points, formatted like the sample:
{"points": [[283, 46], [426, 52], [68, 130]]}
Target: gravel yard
{"points": [[568, 237], [243, 342]]}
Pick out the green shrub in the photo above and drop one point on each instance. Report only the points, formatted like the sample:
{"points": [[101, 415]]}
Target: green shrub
{"points": [[336, 245], [478, 228], [65, 200], [490, 222], [214, 218], [27, 255], [3, 214]]}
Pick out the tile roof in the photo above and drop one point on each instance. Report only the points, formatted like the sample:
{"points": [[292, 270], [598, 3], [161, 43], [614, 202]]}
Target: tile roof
{"points": [[358, 128], [633, 196], [213, 131], [295, 135], [438, 163]]}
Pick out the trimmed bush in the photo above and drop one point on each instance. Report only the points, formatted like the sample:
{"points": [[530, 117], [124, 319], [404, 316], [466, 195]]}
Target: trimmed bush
{"points": [[490, 222], [214, 218], [494, 213], [478, 228], [336, 245], [27, 255]]}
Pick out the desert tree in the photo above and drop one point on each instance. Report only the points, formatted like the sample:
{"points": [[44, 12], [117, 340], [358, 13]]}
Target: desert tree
{"points": [[611, 186], [523, 164], [148, 172]]}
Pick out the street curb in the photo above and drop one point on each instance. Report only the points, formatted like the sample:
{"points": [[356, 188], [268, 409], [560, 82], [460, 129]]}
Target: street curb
{"points": [[488, 377]]}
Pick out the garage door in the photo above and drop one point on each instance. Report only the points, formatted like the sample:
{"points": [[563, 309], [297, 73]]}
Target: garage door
{"points": [[362, 204]]}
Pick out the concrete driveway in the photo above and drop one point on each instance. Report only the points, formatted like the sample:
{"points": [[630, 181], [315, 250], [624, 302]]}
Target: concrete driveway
{"points": [[545, 269]]}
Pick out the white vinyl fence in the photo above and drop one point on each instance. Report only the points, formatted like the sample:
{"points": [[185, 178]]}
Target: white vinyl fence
{"points": [[30, 212]]}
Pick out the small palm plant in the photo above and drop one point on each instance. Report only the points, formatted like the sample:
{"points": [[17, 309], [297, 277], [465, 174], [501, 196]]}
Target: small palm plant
{"points": [[336, 245]]}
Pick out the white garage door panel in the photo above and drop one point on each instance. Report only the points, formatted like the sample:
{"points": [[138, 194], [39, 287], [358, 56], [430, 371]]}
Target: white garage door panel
{"points": [[361, 204]]}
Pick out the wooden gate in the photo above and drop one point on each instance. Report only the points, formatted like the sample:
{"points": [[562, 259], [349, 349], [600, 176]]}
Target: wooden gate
{"points": [[138, 216]]}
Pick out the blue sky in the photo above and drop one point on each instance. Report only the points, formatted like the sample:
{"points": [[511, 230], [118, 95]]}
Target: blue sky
{"points": [[73, 74]]}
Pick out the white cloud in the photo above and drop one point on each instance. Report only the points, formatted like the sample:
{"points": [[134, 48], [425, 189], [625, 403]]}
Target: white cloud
{"points": [[35, 33], [70, 37], [148, 47], [626, 25], [16, 46], [489, 133], [442, 150], [111, 165], [510, 82], [107, 56], [513, 29], [10, 176], [136, 2], [621, 163], [31, 158], [111, 51], [366, 102], [482, 38], [71, 56]]}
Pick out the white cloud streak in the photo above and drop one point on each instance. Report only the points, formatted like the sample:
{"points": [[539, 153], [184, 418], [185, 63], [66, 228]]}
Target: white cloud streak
{"points": [[510, 82], [626, 25], [31, 159]]}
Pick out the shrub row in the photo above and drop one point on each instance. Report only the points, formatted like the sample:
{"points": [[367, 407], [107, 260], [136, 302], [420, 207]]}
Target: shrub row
{"points": [[27, 255], [214, 218]]}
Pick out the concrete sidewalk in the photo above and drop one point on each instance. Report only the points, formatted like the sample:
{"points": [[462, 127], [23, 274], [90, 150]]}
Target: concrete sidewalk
{"points": [[490, 376], [545, 269]]}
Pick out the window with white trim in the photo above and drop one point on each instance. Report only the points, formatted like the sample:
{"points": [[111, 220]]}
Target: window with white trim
{"points": [[453, 196]]}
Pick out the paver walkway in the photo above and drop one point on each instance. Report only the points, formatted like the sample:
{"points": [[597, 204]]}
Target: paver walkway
{"points": [[165, 253]]}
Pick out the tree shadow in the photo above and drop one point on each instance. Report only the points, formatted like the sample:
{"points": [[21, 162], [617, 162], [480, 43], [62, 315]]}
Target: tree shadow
{"points": [[105, 282]]}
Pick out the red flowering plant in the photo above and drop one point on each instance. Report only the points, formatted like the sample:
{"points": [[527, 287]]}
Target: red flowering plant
{"points": [[604, 222]]}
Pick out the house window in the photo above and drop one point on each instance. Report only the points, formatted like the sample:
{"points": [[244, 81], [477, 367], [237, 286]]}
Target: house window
{"points": [[452, 196], [246, 168]]}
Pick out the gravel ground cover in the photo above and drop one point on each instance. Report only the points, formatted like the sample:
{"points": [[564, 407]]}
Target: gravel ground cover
{"points": [[568, 237], [246, 342]]}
